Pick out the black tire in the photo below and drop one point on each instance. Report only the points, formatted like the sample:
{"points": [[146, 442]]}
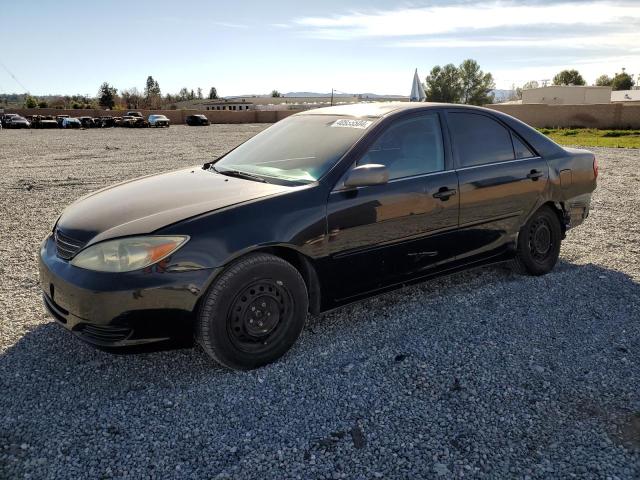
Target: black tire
{"points": [[253, 313], [538, 243]]}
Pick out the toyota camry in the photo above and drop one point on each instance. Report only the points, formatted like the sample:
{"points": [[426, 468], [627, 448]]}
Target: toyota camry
{"points": [[324, 208]]}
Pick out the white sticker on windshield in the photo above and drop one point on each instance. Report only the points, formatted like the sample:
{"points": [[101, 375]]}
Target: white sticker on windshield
{"points": [[345, 122]]}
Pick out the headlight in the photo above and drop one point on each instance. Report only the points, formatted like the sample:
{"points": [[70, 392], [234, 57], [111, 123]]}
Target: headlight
{"points": [[127, 254]]}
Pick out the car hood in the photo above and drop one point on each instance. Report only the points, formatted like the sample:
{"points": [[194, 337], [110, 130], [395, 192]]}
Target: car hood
{"points": [[146, 204]]}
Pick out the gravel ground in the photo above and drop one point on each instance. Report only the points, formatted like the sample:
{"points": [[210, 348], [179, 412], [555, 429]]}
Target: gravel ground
{"points": [[484, 374]]}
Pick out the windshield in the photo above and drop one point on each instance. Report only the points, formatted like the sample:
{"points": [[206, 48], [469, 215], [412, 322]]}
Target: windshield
{"points": [[301, 148]]}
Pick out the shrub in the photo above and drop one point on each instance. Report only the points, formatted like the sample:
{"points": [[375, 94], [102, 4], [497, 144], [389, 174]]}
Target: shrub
{"points": [[569, 132]]}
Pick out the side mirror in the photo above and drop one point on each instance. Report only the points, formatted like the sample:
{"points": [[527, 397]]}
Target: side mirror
{"points": [[367, 175]]}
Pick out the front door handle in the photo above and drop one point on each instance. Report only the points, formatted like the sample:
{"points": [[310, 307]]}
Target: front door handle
{"points": [[534, 175], [444, 193]]}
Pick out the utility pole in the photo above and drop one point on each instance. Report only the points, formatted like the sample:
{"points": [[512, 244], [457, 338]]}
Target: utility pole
{"points": [[332, 97]]}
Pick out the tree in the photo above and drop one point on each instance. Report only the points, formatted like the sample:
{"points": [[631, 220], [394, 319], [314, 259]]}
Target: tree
{"points": [[622, 81], [30, 102], [604, 81], [213, 93], [152, 94], [183, 94], [444, 84], [131, 97], [569, 77], [275, 94], [107, 95], [43, 104], [476, 85], [530, 84], [199, 94]]}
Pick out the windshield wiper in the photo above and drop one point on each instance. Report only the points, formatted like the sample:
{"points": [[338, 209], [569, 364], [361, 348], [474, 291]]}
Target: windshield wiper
{"points": [[239, 174]]}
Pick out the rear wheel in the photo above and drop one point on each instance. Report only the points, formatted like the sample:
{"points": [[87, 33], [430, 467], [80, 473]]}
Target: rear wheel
{"points": [[253, 313], [539, 243]]}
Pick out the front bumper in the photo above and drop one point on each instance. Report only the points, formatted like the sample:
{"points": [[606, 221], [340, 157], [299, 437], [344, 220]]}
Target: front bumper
{"points": [[120, 309]]}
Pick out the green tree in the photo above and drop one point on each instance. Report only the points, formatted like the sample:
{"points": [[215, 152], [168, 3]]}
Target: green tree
{"points": [[30, 102], [199, 93], [275, 94], [152, 93], [604, 81], [569, 77], [530, 84], [213, 93], [107, 95], [622, 81], [43, 104], [477, 86], [444, 84], [183, 94]]}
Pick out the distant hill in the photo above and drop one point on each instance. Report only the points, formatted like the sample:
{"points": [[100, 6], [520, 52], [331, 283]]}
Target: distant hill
{"points": [[320, 95], [502, 95]]}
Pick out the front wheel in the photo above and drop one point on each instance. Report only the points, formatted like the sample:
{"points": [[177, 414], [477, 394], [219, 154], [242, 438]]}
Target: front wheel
{"points": [[253, 313], [539, 243]]}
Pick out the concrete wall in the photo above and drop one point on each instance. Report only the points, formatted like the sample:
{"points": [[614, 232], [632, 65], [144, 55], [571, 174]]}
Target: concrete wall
{"points": [[610, 115], [567, 95], [176, 116]]}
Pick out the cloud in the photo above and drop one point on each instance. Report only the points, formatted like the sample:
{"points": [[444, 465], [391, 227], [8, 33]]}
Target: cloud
{"points": [[479, 16], [628, 41]]}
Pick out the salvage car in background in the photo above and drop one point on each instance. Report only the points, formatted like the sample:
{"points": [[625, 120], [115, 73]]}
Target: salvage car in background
{"points": [[16, 121], [5, 119], [43, 121], [135, 119], [321, 209], [87, 122], [197, 120], [60, 118], [158, 121], [70, 122], [107, 122]]}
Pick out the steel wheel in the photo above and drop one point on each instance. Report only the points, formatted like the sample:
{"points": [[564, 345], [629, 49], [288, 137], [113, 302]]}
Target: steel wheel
{"points": [[257, 313], [540, 239], [539, 243], [253, 312]]}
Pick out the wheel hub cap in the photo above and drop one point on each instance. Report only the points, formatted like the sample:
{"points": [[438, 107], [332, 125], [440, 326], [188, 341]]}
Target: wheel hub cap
{"points": [[540, 240], [262, 316], [257, 314]]}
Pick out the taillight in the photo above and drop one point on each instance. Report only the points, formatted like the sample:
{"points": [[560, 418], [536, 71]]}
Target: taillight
{"points": [[595, 167]]}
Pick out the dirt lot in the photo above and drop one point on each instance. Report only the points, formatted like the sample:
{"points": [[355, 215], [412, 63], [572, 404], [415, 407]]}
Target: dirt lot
{"points": [[484, 374]]}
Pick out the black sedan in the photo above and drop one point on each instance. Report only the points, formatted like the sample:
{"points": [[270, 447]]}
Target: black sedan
{"points": [[18, 122], [196, 120], [324, 208]]}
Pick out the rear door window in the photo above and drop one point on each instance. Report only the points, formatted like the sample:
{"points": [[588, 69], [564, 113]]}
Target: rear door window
{"points": [[479, 139]]}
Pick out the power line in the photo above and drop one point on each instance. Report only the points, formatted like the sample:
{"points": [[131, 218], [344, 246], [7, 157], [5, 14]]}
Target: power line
{"points": [[14, 77]]}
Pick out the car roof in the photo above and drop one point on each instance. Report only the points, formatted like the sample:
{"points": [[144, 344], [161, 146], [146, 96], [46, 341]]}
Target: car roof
{"points": [[381, 109], [372, 109]]}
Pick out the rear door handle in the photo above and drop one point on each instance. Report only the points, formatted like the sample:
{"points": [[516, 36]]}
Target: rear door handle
{"points": [[444, 193], [534, 175]]}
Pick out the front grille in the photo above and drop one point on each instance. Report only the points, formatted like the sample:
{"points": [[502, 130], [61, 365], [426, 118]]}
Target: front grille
{"points": [[66, 247], [104, 334]]}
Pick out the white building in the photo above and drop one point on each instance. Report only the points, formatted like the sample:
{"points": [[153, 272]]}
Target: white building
{"points": [[625, 96], [223, 104], [567, 95]]}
